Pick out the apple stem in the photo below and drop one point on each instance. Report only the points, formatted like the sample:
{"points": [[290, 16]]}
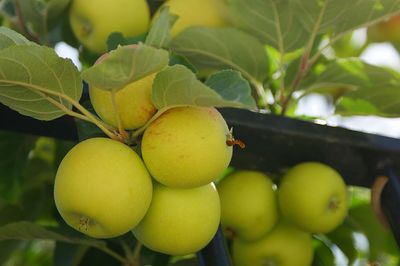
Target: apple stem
{"points": [[136, 254], [135, 135], [121, 131]]}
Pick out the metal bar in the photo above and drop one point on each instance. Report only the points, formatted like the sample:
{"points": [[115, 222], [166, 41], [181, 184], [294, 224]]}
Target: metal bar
{"points": [[390, 202], [215, 253]]}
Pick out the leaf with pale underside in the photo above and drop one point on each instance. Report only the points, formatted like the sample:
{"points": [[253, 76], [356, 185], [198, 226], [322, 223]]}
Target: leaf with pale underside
{"points": [[160, 32], [33, 81], [232, 86], [222, 48], [24, 230], [340, 16], [366, 89], [125, 65], [9, 38], [274, 22], [38, 14], [177, 85]]}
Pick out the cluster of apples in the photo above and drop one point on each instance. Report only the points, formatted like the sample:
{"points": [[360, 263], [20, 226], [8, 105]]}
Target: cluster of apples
{"points": [[92, 21], [104, 189], [164, 193], [273, 225]]}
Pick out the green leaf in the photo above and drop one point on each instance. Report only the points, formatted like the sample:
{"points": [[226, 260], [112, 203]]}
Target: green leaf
{"points": [[36, 82], [56, 7], [125, 65], [343, 238], [30, 231], [323, 255], [340, 16], [9, 38], [37, 13], [116, 39], [160, 32], [232, 86], [367, 89], [175, 59], [177, 85], [381, 240], [273, 22], [221, 48]]}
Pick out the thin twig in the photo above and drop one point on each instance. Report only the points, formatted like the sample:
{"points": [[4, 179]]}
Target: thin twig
{"points": [[304, 64], [140, 130], [21, 22], [136, 254], [117, 115], [113, 254], [108, 130]]}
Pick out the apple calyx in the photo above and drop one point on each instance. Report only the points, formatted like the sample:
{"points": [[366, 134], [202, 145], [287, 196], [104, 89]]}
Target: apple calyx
{"points": [[230, 233], [334, 204], [269, 262], [84, 223], [86, 29]]}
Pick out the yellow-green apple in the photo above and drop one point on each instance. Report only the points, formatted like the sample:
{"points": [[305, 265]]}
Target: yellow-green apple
{"points": [[313, 196], [186, 146], [92, 21], [102, 188], [283, 246], [133, 103], [248, 204], [180, 221], [211, 13]]}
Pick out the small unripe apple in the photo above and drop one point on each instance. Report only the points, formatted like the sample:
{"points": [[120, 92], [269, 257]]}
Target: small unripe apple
{"points": [[211, 13], [180, 221], [134, 103], [186, 146], [248, 204], [313, 196], [102, 188], [92, 21], [283, 246]]}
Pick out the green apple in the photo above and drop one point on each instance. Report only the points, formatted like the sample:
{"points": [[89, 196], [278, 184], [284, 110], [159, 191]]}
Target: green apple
{"points": [[248, 204], [283, 246], [314, 197], [180, 221], [102, 188], [92, 21], [211, 13], [133, 102], [186, 146]]}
